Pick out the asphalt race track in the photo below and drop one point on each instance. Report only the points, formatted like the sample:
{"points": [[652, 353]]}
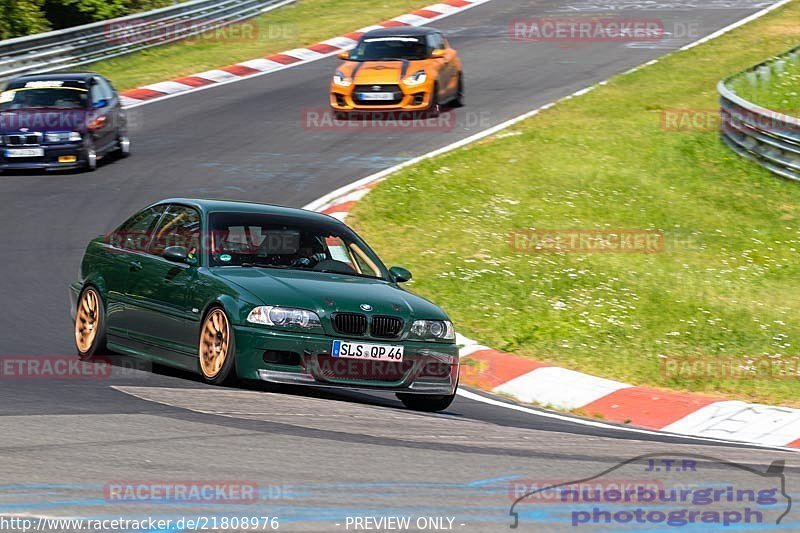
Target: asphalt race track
{"points": [[317, 456]]}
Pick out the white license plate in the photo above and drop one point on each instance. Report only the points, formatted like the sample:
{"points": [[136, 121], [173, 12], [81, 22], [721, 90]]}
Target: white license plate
{"points": [[24, 152], [376, 96], [369, 352]]}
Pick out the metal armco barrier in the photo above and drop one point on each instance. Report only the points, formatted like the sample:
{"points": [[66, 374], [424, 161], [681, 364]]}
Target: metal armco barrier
{"points": [[770, 138], [72, 47]]}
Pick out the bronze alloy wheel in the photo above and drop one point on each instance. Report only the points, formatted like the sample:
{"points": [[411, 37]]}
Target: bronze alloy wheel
{"points": [[87, 320], [214, 343]]}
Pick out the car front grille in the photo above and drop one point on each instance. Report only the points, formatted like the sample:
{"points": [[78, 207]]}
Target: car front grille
{"points": [[22, 139], [386, 327], [394, 89], [350, 323]]}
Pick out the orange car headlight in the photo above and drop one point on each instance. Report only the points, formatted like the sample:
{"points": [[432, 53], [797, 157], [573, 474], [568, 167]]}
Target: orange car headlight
{"points": [[340, 79], [417, 78]]}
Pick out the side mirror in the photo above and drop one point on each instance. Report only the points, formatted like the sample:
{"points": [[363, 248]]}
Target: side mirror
{"points": [[438, 53], [176, 254], [400, 274], [344, 56]]}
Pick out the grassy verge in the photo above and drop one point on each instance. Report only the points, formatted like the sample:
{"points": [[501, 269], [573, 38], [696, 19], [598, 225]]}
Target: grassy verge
{"points": [[303, 23], [725, 285], [781, 92]]}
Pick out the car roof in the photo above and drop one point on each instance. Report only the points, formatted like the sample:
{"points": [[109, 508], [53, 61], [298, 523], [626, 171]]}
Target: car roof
{"points": [[400, 32], [234, 206], [62, 76]]}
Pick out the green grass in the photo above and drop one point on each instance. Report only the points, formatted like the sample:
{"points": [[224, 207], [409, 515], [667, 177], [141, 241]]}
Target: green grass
{"points": [[303, 23], [726, 285], [780, 92]]}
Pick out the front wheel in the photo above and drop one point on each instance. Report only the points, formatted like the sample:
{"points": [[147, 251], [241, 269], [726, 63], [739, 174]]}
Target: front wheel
{"points": [[426, 402], [91, 158], [459, 99], [435, 108], [217, 348]]}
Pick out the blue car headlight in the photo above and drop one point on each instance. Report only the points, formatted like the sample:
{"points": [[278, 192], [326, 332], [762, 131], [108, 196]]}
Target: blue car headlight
{"points": [[284, 317], [432, 330], [62, 136]]}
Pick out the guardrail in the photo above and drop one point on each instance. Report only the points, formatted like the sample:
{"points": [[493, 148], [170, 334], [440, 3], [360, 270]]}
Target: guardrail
{"points": [[770, 138], [72, 47]]}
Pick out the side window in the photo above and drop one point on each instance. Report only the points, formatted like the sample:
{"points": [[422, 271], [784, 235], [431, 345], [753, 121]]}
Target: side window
{"points": [[105, 89], [180, 226], [435, 41], [135, 233], [100, 91]]}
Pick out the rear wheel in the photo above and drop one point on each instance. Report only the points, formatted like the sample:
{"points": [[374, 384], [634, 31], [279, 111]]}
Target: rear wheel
{"points": [[217, 348], [426, 402], [123, 145], [90, 324]]}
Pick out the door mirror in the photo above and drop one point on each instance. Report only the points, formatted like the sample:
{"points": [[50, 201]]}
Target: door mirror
{"points": [[100, 103], [438, 53], [399, 274], [176, 254], [343, 55]]}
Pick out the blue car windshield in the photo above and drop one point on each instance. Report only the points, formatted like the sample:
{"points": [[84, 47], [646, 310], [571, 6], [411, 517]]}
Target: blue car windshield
{"points": [[44, 98], [269, 241]]}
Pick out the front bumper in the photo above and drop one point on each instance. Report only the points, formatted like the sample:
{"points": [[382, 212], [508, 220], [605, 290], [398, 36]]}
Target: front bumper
{"points": [[416, 98], [302, 359], [49, 161]]}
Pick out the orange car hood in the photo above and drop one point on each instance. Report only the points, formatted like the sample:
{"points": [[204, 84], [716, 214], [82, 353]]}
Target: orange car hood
{"points": [[382, 72]]}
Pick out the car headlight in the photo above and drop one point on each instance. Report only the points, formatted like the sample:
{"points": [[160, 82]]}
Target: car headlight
{"points": [[340, 79], [416, 78], [429, 330], [270, 315], [62, 136]]}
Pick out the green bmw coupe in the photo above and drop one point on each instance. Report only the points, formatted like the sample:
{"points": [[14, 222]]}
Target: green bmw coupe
{"points": [[261, 292]]}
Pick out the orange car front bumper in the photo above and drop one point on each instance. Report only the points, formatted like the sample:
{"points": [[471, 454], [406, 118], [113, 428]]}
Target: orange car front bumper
{"points": [[406, 98]]}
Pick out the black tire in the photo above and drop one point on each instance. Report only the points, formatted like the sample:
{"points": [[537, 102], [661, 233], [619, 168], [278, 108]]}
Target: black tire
{"points": [[426, 402], [91, 158], [434, 108], [227, 373], [459, 99], [98, 344], [123, 145]]}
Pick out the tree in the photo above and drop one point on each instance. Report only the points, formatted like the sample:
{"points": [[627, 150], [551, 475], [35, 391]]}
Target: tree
{"points": [[21, 17]]}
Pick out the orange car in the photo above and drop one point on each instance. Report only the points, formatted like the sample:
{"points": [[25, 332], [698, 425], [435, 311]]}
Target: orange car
{"points": [[391, 69]]}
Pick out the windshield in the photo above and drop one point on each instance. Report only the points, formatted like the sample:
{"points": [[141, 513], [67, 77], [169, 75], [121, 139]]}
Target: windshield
{"points": [[388, 48], [44, 97], [269, 241]]}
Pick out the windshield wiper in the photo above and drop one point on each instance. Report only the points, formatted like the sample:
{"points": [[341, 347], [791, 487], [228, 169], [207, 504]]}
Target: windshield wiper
{"points": [[260, 265]]}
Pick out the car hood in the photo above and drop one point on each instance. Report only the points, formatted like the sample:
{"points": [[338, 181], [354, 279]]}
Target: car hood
{"points": [[12, 121], [381, 72], [327, 293]]}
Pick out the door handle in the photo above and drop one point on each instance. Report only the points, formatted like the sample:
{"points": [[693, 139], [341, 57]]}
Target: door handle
{"points": [[135, 266]]}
